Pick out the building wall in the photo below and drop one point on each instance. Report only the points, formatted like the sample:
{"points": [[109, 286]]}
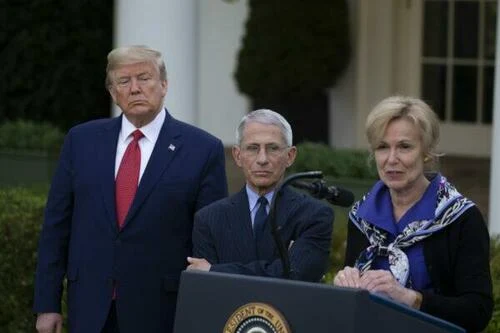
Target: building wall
{"points": [[374, 59], [386, 42], [342, 96], [388, 62], [201, 40], [169, 26]]}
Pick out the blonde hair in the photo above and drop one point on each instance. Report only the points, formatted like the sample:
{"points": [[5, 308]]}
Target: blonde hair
{"points": [[131, 55], [413, 109]]}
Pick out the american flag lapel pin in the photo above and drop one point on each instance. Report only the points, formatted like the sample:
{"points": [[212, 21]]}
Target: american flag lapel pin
{"points": [[171, 147]]}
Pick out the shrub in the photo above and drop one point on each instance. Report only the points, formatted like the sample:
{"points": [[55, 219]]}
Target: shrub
{"points": [[494, 325], [54, 56], [335, 163], [29, 135], [292, 48], [337, 250], [21, 214]]}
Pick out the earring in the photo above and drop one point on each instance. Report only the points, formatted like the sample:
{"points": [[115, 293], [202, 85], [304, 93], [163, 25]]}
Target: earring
{"points": [[426, 159]]}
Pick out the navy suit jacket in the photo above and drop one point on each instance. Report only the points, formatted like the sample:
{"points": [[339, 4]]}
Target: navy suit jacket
{"points": [[80, 237], [223, 235]]}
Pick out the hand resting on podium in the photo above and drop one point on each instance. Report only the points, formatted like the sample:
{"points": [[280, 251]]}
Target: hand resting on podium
{"points": [[378, 282]]}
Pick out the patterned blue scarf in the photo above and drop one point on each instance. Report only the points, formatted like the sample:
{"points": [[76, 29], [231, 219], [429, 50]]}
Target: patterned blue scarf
{"points": [[450, 205]]}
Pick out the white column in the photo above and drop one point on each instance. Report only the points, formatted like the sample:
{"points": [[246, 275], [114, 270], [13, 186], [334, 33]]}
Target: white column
{"points": [[169, 26], [374, 57], [494, 213], [221, 29]]}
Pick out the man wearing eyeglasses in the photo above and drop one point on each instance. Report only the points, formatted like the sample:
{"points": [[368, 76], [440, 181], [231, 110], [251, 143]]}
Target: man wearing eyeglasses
{"points": [[233, 235]]}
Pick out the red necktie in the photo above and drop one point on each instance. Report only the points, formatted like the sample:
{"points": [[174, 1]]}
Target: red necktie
{"points": [[127, 178]]}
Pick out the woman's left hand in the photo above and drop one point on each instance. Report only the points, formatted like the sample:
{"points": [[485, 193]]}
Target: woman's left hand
{"points": [[383, 282]]}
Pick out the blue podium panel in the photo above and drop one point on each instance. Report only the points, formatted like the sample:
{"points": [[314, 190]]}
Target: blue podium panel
{"points": [[217, 302]]}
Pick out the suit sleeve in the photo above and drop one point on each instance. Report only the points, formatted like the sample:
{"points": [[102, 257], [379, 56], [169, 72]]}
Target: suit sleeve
{"points": [[308, 254], [203, 243], [470, 304], [54, 237], [213, 184]]}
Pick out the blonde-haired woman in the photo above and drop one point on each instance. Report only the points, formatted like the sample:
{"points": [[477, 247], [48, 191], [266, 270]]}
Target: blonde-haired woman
{"points": [[413, 237]]}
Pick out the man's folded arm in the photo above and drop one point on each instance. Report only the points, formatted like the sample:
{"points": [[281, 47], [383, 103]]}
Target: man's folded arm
{"points": [[308, 254]]}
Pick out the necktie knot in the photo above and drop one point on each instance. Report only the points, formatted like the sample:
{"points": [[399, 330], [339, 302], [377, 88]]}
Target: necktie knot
{"points": [[137, 134], [262, 201]]}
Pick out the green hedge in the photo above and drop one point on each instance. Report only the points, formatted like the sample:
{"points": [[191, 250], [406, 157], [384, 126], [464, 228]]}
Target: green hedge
{"points": [[30, 135], [21, 214], [494, 326], [335, 163], [28, 152]]}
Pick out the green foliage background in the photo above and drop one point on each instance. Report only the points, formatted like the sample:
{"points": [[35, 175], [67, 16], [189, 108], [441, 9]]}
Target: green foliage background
{"points": [[29, 135], [21, 213], [494, 325], [53, 55], [292, 48], [335, 163]]}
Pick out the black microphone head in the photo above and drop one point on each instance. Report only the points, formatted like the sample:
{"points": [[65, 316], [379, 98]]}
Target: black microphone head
{"points": [[343, 198]]}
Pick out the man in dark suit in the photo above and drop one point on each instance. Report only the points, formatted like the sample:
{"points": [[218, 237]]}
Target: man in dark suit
{"points": [[232, 235], [119, 216]]}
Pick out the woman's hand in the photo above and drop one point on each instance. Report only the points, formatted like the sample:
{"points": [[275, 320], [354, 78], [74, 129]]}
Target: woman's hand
{"points": [[347, 277], [383, 282]]}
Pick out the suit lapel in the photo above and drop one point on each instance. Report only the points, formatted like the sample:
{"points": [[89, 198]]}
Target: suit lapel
{"points": [[285, 207], [241, 225], [167, 146], [106, 155]]}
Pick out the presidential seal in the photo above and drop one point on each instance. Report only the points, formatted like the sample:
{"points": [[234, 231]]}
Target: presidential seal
{"points": [[256, 318]]}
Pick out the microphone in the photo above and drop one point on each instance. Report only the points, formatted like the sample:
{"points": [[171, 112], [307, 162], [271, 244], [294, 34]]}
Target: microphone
{"points": [[334, 195], [282, 250]]}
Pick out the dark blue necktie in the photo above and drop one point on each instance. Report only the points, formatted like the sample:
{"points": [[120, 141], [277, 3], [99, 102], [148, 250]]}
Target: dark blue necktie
{"points": [[260, 218]]}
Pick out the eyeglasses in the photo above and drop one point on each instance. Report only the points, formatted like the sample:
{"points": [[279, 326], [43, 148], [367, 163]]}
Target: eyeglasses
{"points": [[271, 150]]}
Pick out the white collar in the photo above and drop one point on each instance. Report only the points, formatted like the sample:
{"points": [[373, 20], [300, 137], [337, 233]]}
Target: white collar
{"points": [[150, 131]]}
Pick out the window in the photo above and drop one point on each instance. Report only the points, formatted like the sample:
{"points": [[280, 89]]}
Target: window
{"points": [[458, 59]]}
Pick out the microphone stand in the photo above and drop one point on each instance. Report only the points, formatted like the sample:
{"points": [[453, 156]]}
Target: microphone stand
{"points": [[282, 251]]}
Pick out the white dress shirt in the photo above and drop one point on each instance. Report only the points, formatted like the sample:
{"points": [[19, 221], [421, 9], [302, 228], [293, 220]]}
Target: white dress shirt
{"points": [[146, 143]]}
